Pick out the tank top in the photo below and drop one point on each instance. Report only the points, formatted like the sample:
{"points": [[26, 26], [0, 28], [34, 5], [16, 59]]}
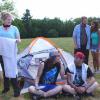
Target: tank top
{"points": [[49, 75]]}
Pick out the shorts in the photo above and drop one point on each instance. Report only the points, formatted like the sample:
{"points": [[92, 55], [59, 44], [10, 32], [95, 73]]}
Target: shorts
{"points": [[47, 87], [94, 49]]}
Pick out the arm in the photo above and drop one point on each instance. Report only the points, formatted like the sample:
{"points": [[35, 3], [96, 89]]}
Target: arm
{"points": [[90, 78], [99, 39], [69, 80], [62, 72], [39, 73], [17, 35], [18, 39]]}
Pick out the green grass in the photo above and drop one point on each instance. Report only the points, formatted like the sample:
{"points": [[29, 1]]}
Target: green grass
{"points": [[67, 45], [64, 43]]}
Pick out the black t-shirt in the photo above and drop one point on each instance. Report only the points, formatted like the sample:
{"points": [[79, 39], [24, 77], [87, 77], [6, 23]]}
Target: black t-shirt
{"points": [[78, 76], [49, 75]]}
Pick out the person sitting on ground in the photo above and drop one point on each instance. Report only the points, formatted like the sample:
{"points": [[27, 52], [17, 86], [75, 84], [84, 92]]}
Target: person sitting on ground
{"points": [[79, 77], [47, 77]]}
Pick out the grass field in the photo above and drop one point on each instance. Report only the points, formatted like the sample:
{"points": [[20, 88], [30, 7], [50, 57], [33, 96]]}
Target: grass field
{"points": [[67, 45]]}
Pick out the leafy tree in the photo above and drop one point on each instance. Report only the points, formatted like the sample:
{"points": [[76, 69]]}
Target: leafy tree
{"points": [[27, 23], [8, 6], [52, 33]]}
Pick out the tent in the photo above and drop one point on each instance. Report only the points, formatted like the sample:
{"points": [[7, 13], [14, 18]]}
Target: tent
{"points": [[37, 52]]}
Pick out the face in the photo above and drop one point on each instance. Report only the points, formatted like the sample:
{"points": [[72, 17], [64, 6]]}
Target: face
{"points": [[92, 25], [57, 59], [8, 21], [84, 20], [78, 61]]}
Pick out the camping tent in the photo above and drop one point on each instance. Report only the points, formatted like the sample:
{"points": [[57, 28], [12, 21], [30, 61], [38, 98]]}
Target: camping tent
{"points": [[37, 52]]}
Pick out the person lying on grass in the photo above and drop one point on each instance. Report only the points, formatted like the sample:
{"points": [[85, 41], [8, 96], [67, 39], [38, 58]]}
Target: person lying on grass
{"points": [[79, 77], [45, 84]]}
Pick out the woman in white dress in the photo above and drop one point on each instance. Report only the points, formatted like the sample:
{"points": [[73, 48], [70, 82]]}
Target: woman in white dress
{"points": [[10, 32]]}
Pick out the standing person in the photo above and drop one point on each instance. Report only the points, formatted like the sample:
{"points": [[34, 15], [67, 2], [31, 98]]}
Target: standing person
{"points": [[80, 77], [11, 32], [81, 37], [47, 77], [94, 44]]}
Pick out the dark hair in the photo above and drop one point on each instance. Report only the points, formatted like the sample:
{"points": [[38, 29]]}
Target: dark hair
{"points": [[95, 28], [49, 62], [83, 17]]}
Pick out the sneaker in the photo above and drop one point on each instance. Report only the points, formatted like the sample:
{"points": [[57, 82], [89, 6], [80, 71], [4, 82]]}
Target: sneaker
{"points": [[17, 93]]}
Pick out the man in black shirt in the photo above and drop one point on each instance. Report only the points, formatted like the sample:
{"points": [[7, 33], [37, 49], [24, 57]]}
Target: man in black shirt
{"points": [[79, 77]]}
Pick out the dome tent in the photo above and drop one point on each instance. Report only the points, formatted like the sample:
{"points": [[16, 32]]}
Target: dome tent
{"points": [[37, 52]]}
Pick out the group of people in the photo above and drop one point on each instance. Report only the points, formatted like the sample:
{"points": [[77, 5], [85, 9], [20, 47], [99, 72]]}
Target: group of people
{"points": [[78, 76], [87, 38]]}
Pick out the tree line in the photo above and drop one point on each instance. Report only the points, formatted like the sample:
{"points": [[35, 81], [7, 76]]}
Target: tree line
{"points": [[46, 27], [30, 27]]}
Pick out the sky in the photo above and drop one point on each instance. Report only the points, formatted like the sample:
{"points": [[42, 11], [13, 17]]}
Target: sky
{"points": [[63, 9]]}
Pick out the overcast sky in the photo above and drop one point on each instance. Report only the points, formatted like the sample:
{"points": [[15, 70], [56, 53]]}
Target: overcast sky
{"points": [[63, 9]]}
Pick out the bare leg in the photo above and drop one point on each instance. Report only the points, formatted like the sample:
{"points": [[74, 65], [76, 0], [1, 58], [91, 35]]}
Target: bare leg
{"points": [[98, 60], [45, 94], [92, 87], [53, 91], [32, 89], [68, 88], [94, 60]]}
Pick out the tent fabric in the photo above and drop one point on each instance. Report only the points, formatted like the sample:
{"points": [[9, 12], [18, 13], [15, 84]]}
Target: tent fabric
{"points": [[40, 49]]}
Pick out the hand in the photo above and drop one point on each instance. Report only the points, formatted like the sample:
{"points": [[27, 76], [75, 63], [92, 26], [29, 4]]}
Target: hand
{"points": [[81, 89], [18, 40], [76, 88], [36, 87]]}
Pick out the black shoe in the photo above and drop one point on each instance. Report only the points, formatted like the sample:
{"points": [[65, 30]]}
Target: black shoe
{"points": [[5, 91], [89, 94], [17, 93]]}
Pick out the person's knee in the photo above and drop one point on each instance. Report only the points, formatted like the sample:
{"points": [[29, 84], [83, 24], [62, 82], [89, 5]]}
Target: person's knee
{"points": [[66, 87], [31, 89], [93, 87], [60, 87], [96, 84]]}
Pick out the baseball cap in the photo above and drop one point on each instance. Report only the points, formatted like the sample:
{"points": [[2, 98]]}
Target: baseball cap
{"points": [[79, 55]]}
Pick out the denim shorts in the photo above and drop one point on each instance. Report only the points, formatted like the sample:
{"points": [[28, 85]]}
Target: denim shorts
{"points": [[94, 49]]}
